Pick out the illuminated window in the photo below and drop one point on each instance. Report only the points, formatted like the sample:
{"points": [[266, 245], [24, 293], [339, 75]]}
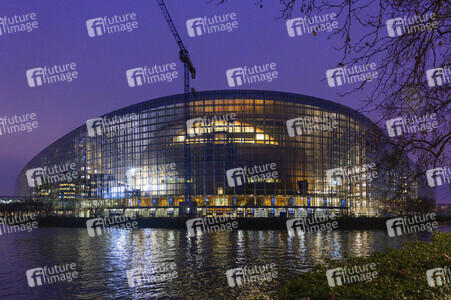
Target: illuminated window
{"points": [[198, 132]]}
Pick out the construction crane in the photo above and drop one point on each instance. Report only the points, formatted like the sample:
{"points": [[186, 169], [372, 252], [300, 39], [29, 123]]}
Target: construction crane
{"points": [[188, 70]]}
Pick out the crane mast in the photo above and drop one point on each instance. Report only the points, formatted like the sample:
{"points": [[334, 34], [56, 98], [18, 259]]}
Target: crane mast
{"points": [[188, 70]]}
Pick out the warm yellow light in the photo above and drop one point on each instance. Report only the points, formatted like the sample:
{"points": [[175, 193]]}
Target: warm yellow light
{"points": [[197, 132]]}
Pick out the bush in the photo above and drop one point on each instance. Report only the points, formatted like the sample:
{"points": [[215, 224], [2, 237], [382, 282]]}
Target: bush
{"points": [[401, 274]]}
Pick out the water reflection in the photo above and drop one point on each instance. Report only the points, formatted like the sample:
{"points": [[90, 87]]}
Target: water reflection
{"points": [[201, 261]]}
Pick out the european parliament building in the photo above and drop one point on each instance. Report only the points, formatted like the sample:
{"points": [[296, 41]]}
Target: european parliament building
{"points": [[251, 154]]}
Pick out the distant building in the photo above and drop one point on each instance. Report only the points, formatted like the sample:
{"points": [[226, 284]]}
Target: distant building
{"points": [[444, 209]]}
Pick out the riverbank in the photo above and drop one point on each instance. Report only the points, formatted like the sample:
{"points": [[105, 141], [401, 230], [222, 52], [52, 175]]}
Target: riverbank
{"points": [[412, 272], [242, 223]]}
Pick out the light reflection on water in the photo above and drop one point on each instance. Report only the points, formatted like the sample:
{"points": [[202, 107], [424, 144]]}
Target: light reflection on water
{"points": [[201, 261]]}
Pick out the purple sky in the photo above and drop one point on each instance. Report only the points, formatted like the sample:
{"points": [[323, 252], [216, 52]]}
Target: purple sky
{"points": [[62, 37]]}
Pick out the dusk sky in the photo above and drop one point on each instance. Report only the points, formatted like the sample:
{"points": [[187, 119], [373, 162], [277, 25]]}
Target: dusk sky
{"points": [[61, 37]]}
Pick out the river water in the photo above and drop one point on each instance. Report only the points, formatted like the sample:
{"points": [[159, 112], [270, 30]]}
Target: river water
{"points": [[201, 262]]}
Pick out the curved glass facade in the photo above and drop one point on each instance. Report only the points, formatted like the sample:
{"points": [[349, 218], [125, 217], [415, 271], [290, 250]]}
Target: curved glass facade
{"points": [[133, 158]]}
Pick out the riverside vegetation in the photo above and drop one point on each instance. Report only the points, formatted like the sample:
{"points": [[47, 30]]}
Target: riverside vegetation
{"points": [[401, 274]]}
